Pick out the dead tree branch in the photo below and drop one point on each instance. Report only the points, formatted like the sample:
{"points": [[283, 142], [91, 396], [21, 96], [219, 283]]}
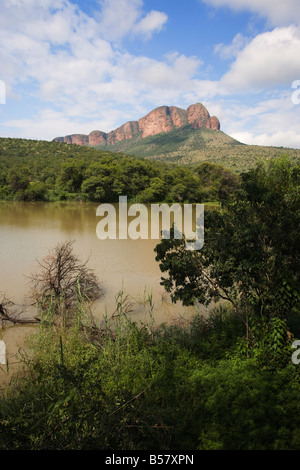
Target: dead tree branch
{"points": [[62, 279], [13, 317]]}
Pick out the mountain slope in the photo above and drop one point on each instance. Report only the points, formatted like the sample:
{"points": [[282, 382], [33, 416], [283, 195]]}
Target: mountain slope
{"points": [[188, 146], [179, 136]]}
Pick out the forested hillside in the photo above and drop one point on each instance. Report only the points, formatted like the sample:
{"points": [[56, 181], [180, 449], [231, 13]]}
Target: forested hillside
{"points": [[48, 171]]}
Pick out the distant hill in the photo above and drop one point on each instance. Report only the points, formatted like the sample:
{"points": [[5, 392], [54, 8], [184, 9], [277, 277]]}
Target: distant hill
{"points": [[179, 136]]}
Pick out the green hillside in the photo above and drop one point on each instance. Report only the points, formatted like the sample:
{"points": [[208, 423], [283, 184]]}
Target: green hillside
{"points": [[33, 170], [183, 165], [191, 146]]}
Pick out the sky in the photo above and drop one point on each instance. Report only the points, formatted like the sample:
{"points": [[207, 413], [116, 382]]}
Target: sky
{"points": [[73, 66]]}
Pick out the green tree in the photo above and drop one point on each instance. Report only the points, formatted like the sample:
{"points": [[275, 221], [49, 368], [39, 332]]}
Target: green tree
{"points": [[155, 192], [103, 181], [218, 183], [183, 186], [36, 191], [71, 176], [18, 179], [92, 187], [136, 175], [251, 250]]}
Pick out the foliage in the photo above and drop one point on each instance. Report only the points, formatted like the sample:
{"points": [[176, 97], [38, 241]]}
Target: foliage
{"points": [[186, 146], [147, 387], [49, 171], [217, 180], [251, 252], [221, 382]]}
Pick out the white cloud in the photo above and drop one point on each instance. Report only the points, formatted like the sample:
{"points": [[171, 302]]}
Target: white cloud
{"points": [[152, 22], [48, 124], [230, 51], [288, 139], [270, 59], [273, 121], [119, 18], [63, 53], [277, 12], [90, 82], [176, 72]]}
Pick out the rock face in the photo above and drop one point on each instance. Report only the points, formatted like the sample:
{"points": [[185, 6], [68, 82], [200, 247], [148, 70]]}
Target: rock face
{"points": [[156, 122], [214, 123], [178, 116], [127, 131], [198, 116], [79, 139], [97, 138], [162, 119]]}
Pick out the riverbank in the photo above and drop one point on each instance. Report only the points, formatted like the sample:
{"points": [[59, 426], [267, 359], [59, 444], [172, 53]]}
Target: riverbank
{"points": [[14, 338], [146, 387]]}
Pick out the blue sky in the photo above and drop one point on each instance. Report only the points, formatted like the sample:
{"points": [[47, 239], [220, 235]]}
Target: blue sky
{"points": [[73, 66]]}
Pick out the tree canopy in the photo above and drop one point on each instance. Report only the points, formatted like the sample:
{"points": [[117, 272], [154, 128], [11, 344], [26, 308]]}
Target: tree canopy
{"points": [[49, 171], [251, 253]]}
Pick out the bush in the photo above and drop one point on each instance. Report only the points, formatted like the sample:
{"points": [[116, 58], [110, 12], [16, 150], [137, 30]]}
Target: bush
{"points": [[142, 387]]}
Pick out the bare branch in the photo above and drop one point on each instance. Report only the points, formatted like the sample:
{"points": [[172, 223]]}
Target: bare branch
{"points": [[13, 317], [62, 279]]}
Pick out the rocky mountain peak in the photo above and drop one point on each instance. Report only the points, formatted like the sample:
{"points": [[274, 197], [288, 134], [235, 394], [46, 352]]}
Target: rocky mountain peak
{"points": [[159, 120]]}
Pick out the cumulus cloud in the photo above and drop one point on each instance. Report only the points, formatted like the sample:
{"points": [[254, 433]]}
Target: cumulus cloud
{"points": [[152, 22], [230, 51], [273, 121], [49, 124], [64, 54], [288, 139], [176, 72], [270, 59], [277, 12], [118, 18], [65, 58]]}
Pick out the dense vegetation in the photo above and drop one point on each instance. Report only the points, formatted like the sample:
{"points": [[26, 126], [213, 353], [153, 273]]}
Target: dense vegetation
{"points": [[145, 388], [223, 382], [48, 171], [251, 254], [192, 146]]}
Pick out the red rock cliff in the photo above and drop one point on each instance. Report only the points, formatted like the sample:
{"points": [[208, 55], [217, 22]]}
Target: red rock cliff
{"points": [[162, 119]]}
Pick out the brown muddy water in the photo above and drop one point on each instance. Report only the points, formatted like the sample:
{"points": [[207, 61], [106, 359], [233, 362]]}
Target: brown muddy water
{"points": [[29, 230]]}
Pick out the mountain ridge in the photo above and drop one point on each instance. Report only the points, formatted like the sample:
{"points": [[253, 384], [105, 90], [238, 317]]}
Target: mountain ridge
{"points": [[163, 119], [177, 136]]}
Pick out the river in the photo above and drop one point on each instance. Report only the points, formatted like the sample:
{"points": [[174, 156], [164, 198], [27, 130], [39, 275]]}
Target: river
{"points": [[29, 230]]}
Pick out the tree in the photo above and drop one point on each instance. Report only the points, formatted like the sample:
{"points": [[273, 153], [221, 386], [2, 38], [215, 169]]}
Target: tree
{"points": [[18, 179], [155, 191], [183, 185], [71, 175], [36, 191], [218, 183], [92, 187], [62, 279], [251, 255]]}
